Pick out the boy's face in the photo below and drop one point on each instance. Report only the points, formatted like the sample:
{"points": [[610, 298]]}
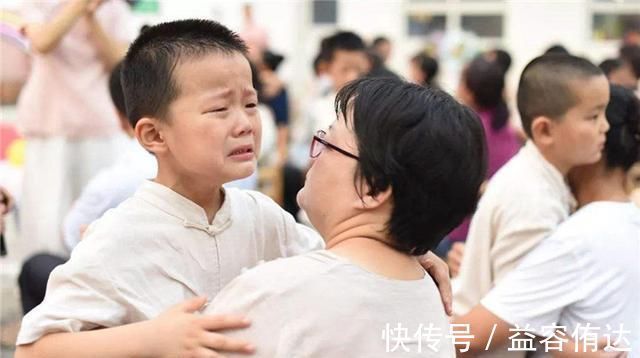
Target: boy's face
{"points": [[579, 136], [347, 66], [213, 128]]}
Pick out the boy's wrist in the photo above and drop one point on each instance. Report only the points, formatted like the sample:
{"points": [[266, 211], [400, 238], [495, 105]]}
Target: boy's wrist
{"points": [[146, 343]]}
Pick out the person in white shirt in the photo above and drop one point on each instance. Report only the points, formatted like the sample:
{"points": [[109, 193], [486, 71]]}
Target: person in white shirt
{"points": [[147, 267], [105, 191], [400, 167], [343, 58], [562, 100], [587, 271]]}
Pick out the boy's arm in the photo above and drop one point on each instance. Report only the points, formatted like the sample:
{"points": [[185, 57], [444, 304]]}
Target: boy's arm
{"points": [[180, 331], [532, 296], [481, 322]]}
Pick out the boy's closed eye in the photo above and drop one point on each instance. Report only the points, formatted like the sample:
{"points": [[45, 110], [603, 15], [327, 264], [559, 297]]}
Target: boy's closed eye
{"points": [[215, 110]]}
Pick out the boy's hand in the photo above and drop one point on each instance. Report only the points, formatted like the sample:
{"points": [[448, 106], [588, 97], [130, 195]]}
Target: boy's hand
{"points": [[183, 332], [439, 271]]}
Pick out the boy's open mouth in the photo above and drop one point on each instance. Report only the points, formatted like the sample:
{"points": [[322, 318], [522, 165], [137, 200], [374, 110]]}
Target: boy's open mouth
{"points": [[242, 150]]}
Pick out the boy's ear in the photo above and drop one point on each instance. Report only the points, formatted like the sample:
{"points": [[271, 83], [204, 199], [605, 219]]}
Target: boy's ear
{"points": [[542, 129], [148, 132]]}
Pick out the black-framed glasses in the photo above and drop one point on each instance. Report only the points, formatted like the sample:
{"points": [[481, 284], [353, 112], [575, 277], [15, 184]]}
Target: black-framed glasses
{"points": [[318, 144]]}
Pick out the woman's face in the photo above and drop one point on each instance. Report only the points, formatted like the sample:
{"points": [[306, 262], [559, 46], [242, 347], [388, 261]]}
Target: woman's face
{"points": [[415, 73], [463, 93], [329, 194]]}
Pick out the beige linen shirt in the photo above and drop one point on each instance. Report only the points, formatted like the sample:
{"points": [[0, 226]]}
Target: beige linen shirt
{"points": [[321, 305], [524, 202], [157, 249]]}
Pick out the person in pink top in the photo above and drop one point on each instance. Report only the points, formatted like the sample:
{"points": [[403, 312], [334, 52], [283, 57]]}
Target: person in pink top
{"points": [[481, 87], [64, 109]]}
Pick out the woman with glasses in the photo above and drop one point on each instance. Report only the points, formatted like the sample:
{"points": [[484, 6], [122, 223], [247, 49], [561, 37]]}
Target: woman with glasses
{"points": [[399, 168]]}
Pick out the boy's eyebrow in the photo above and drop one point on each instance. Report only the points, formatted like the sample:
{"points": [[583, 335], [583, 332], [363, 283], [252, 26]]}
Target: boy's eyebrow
{"points": [[219, 93], [249, 92]]}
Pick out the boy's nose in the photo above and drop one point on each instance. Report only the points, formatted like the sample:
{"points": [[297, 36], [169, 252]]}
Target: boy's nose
{"points": [[243, 125], [605, 125]]}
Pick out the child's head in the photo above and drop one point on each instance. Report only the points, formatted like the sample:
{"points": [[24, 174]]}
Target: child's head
{"points": [[117, 97], [562, 101], [190, 97], [423, 69], [344, 57], [622, 148]]}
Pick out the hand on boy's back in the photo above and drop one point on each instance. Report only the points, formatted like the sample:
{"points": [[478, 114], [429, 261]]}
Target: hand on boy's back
{"points": [[181, 331], [454, 258], [439, 271]]}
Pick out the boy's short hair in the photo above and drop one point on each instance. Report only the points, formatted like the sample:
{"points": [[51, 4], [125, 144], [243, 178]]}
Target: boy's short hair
{"points": [[423, 144], [622, 147], [115, 89], [342, 40], [147, 74], [546, 86]]}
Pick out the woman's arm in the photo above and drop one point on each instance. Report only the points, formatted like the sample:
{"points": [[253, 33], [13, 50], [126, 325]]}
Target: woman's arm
{"points": [[110, 50], [45, 37]]}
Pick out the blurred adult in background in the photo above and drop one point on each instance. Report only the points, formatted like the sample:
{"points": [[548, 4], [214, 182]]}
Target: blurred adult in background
{"points": [[481, 87], [275, 95], [64, 110], [619, 72], [342, 58], [630, 53], [254, 35], [423, 70], [557, 49], [500, 57], [381, 46]]}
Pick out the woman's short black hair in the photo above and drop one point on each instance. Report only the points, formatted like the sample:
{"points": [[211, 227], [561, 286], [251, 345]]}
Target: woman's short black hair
{"points": [[426, 146], [622, 148]]}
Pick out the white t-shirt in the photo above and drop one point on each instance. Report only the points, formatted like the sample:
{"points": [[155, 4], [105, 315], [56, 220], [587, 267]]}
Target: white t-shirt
{"points": [[322, 305], [158, 249], [588, 271]]}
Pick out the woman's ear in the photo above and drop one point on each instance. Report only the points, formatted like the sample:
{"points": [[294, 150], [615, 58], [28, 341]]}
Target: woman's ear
{"points": [[375, 201], [148, 132], [542, 129]]}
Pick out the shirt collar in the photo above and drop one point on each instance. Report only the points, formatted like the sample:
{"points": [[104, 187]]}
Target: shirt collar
{"points": [[191, 214], [558, 181]]}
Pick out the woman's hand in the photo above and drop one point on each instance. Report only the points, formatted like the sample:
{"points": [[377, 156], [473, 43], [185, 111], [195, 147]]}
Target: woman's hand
{"points": [[454, 258], [439, 271]]}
